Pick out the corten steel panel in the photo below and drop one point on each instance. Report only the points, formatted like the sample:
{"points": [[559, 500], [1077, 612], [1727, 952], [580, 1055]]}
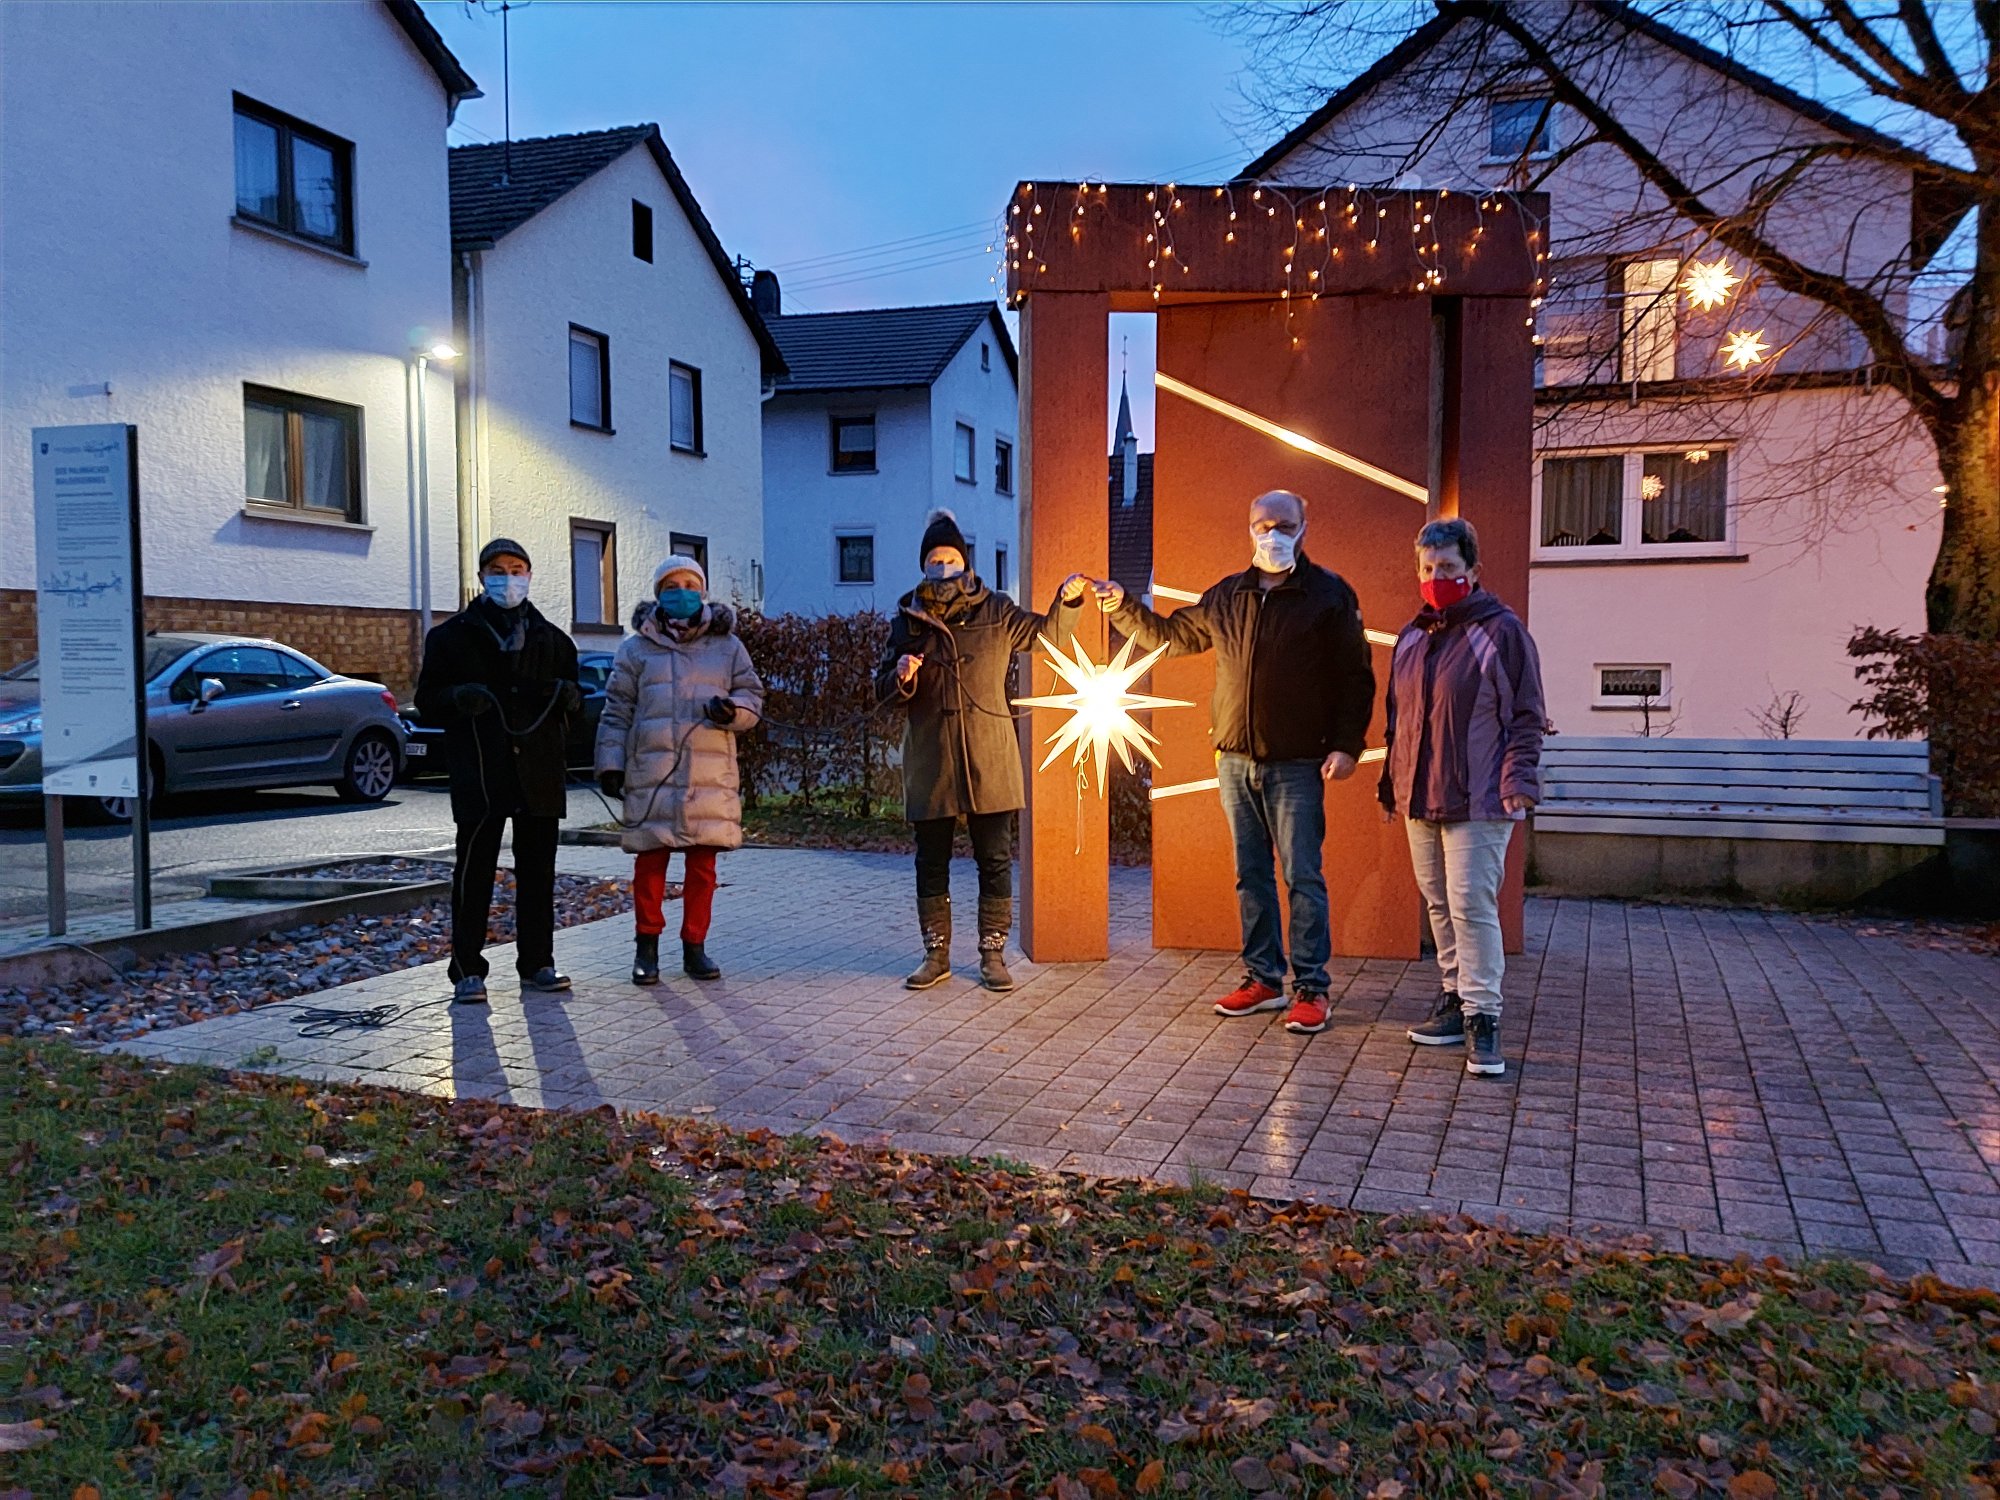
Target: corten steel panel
{"points": [[1065, 370], [1487, 250], [1359, 380], [1495, 423]]}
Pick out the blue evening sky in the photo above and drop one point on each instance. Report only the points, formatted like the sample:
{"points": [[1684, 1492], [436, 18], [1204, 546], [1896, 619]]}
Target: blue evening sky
{"points": [[817, 131]]}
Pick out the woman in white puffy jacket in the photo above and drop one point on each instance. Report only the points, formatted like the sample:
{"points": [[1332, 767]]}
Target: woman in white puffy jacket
{"points": [[682, 688]]}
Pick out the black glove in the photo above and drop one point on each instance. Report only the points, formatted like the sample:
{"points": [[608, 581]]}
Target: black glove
{"points": [[470, 699], [720, 711], [611, 783], [572, 697]]}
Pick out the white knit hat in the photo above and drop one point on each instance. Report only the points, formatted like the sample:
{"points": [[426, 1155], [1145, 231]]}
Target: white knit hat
{"points": [[680, 562]]}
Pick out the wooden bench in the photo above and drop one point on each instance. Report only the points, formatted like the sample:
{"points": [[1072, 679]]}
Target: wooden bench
{"points": [[1641, 817]]}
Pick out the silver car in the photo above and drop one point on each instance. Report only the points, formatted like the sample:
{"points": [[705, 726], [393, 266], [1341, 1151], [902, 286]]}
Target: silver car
{"points": [[228, 711]]}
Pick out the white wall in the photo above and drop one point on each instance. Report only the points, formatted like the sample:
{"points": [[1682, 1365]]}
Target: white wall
{"points": [[989, 402], [120, 263], [573, 263]]}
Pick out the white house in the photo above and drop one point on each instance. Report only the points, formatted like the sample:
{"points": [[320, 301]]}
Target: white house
{"points": [[1704, 545], [887, 414], [224, 223], [610, 400]]}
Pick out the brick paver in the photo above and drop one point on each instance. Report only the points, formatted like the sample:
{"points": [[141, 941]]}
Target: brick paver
{"points": [[1722, 1080]]}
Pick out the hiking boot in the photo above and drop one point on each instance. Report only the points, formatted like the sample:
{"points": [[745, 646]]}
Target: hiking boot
{"points": [[996, 916], [545, 981], [1308, 1014], [646, 959], [1445, 1028], [470, 990], [1484, 1054], [1249, 997], [934, 920], [696, 963]]}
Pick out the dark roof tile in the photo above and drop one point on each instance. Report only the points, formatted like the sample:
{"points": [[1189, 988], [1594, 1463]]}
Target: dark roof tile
{"points": [[881, 348]]}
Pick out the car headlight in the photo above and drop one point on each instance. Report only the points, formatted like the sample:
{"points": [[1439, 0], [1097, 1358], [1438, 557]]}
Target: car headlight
{"points": [[22, 724]]}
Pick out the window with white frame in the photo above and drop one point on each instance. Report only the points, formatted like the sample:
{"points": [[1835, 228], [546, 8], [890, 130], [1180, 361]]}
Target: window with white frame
{"points": [[1658, 503], [1646, 324], [964, 443], [1523, 125], [854, 556], [589, 378], [684, 407], [1000, 569]]}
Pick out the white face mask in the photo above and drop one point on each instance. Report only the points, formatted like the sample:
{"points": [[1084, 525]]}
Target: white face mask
{"points": [[508, 590], [1275, 551]]}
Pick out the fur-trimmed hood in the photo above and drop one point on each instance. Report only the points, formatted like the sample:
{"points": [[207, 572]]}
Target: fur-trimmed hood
{"points": [[721, 619]]}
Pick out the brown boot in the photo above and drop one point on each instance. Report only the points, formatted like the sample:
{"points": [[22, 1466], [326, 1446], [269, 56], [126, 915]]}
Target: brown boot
{"points": [[934, 920], [996, 917]]}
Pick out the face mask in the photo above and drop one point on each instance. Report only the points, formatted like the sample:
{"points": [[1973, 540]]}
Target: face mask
{"points": [[940, 572], [679, 604], [1275, 551], [508, 590], [1443, 593]]}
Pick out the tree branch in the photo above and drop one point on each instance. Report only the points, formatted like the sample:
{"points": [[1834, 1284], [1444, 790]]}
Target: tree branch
{"points": [[1924, 37]]}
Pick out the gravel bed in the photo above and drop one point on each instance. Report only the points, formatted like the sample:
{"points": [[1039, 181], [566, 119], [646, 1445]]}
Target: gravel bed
{"points": [[190, 987]]}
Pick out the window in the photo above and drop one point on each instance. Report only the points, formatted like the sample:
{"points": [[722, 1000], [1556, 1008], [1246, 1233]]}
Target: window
{"points": [[961, 455], [301, 453], [294, 178], [1646, 319], [589, 379], [1520, 127], [971, 553], [854, 445], [756, 584], [242, 671], [1624, 686], [854, 556], [681, 544], [985, 356], [684, 402], [1000, 569], [1665, 503], [1003, 467], [298, 671], [642, 231], [593, 574]]}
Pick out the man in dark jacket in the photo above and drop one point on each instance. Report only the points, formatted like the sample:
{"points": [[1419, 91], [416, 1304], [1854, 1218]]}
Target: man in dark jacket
{"points": [[950, 647], [501, 682], [1294, 690]]}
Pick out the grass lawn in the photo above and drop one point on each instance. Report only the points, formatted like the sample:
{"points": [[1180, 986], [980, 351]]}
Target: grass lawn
{"points": [[245, 1286]]}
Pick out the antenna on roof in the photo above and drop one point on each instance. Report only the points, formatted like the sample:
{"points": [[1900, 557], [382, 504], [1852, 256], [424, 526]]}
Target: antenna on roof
{"points": [[501, 8]]}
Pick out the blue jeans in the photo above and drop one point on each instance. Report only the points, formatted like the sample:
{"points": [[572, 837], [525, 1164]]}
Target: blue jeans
{"points": [[1281, 805]]}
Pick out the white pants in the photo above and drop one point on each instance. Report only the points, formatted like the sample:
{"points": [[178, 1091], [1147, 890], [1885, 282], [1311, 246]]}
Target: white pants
{"points": [[1459, 867]]}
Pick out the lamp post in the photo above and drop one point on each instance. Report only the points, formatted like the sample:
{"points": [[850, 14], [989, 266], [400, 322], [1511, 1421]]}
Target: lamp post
{"points": [[423, 349]]}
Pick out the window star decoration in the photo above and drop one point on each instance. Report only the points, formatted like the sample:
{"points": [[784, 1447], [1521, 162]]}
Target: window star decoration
{"points": [[1100, 704], [1742, 349], [1708, 283]]}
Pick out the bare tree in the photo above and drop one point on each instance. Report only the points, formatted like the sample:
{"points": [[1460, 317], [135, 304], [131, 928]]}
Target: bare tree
{"points": [[1709, 174], [1783, 717], [1657, 718]]}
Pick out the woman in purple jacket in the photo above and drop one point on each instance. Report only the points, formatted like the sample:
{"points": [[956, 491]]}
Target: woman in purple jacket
{"points": [[1464, 766]]}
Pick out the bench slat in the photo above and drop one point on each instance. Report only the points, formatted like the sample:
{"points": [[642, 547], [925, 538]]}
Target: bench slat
{"points": [[1673, 744], [1840, 781], [1564, 790], [1757, 765], [1923, 835]]}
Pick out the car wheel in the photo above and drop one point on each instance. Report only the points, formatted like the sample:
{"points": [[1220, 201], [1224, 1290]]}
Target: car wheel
{"points": [[120, 809], [371, 769]]}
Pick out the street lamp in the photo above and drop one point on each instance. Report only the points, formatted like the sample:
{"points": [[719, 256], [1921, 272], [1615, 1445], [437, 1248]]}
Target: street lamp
{"points": [[424, 348]]}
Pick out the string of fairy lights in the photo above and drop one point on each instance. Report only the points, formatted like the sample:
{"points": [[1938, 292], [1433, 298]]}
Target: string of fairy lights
{"points": [[1328, 224]]}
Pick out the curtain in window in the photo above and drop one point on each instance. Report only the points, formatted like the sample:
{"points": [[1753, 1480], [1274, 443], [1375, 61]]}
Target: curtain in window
{"points": [[1685, 499], [1647, 349], [264, 476], [1581, 500], [329, 484], [257, 169], [316, 189]]}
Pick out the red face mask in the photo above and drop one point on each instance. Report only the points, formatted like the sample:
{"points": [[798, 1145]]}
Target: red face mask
{"points": [[1442, 593]]}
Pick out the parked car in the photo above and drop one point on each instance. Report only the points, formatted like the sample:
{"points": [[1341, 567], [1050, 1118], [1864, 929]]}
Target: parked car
{"points": [[228, 711], [424, 743]]}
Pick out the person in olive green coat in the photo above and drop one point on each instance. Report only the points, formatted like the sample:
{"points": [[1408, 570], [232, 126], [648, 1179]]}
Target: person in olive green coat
{"points": [[950, 647]]}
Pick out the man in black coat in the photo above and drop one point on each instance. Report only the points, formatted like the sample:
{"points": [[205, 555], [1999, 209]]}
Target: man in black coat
{"points": [[1294, 690], [500, 680]]}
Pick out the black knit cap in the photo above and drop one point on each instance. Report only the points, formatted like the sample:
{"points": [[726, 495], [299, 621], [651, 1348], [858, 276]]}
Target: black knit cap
{"points": [[502, 546], [942, 532]]}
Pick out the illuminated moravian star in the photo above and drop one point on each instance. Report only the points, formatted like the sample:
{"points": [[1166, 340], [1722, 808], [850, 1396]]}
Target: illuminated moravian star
{"points": [[1707, 283], [1100, 704], [1744, 349]]}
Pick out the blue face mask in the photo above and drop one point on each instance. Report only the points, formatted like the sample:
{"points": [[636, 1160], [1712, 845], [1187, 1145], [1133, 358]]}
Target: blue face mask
{"points": [[508, 590], [679, 604]]}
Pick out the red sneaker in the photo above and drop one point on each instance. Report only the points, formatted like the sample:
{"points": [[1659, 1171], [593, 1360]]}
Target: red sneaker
{"points": [[1307, 1016], [1248, 998]]}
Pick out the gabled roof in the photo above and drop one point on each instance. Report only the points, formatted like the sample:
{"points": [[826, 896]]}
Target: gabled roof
{"points": [[882, 348], [1433, 31], [416, 25], [539, 171]]}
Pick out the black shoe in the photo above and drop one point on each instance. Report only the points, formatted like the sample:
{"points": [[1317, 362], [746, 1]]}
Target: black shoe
{"points": [[696, 962], [646, 959], [1445, 1028], [1484, 1055], [545, 981], [470, 990]]}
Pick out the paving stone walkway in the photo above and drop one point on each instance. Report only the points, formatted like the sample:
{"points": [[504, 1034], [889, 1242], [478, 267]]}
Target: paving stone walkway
{"points": [[1721, 1080]]}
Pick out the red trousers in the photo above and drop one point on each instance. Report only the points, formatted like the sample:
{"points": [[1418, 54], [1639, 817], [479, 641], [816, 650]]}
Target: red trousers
{"points": [[649, 893]]}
